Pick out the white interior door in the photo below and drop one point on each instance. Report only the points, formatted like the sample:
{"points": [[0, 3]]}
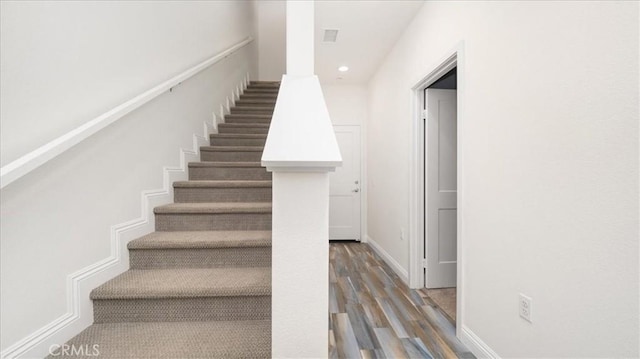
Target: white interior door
{"points": [[441, 187], [344, 193]]}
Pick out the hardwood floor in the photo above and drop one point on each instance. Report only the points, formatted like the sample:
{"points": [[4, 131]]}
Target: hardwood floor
{"points": [[445, 299], [373, 314]]}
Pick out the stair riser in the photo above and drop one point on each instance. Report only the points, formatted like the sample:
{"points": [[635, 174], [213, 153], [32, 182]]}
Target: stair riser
{"points": [[260, 96], [182, 309], [255, 102], [243, 194], [232, 156], [266, 120], [251, 110], [216, 141], [256, 130], [240, 111], [263, 84], [263, 88], [228, 173], [213, 222], [200, 258], [248, 116], [260, 92]]}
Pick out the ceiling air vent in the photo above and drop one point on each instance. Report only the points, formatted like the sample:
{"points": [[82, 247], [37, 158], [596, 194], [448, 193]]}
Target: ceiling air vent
{"points": [[330, 35]]}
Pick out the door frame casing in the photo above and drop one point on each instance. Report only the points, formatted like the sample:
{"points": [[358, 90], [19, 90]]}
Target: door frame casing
{"points": [[452, 58]]}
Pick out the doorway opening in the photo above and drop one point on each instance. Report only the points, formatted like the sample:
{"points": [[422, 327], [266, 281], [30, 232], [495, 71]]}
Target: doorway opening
{"points": [[440, 191], [345, 195], [436, 237]]}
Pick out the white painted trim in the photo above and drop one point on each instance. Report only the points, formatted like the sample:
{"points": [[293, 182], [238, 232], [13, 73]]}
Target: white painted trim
{"points": [[79, 284], [416, 194], [461, 245], [416, 171], [453, 58], [45, 153], [478, 347], [301, 110], [302, 166], [397, 268], [364, 189]]}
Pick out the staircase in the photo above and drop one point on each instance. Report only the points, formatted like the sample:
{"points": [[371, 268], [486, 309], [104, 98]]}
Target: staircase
{"points": [[200, 285]]}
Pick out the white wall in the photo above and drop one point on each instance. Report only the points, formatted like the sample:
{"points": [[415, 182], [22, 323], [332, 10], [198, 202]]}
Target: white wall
{"points": [[65, 63], [270, 17], [347, 104], [550, 151]]}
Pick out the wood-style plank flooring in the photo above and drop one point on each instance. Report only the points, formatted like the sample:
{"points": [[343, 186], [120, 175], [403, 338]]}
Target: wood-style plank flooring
{"points": [[373, 314], [445, 299]]}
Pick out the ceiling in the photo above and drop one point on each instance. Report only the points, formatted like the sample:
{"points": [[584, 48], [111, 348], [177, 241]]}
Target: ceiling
{"points": [[367, 32]]}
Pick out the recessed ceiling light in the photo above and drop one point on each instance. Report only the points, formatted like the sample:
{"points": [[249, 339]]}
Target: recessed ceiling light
{"points": [[343, 68]]}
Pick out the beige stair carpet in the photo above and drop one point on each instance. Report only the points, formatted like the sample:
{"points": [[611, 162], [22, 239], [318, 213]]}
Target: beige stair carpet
{"points": [[200, 285]]}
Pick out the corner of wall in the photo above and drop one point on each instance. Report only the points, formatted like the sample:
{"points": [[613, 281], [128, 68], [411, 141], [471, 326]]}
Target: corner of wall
{"points": [[476, 345], [397, 268]]}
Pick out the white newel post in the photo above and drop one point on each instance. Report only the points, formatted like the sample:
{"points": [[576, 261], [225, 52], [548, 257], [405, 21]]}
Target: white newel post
{"points": [[300, 151]]}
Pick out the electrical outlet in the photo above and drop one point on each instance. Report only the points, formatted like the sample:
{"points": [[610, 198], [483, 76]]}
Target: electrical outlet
{"points": [[524, 304], [402, 234]]}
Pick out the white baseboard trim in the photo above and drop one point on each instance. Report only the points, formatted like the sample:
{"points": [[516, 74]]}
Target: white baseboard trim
{"points": [[79, 284], [476, 345], [401, 272]]}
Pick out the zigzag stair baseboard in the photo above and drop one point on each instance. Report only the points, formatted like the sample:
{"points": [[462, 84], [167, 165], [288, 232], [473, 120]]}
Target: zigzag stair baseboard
{"points": [[79, 313]]}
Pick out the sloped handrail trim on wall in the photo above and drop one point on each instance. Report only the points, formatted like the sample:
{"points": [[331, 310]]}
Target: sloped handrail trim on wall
{"points": [[47, 152]]}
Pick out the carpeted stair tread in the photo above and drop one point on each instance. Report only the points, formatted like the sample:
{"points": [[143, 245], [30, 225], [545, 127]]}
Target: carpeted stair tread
{"points": [[202, 240], [251, 107], [228, 170], [239, 135], [264, 83], [213, 339], [248, 115], [260, 91], [221, 184], [270, 84], [241, 125], [224, 164], [232, 148], [186, 283], [255, 88], [255, 101], [260, 96], [249, 89], [200, 286], [213, 208]]}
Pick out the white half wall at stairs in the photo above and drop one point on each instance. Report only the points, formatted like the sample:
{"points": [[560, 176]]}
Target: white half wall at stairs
{"points": [[58, 239]]}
